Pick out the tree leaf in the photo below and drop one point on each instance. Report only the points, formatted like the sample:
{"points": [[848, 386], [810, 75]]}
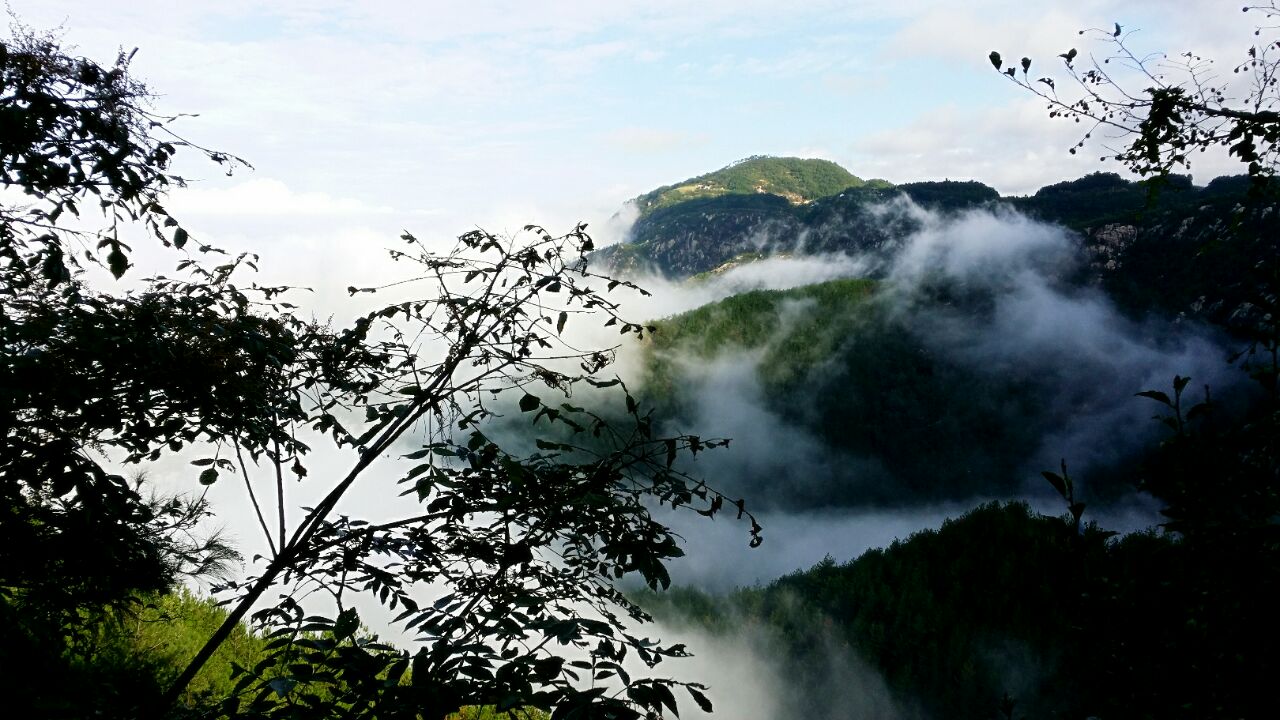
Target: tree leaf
{"points": [[117, 261], [1056, 481], [1157, 396], [529, 403], [704, 703], [346, 624]]}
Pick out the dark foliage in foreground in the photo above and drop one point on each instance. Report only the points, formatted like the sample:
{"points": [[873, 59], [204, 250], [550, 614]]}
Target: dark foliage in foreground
{"points": [[516, 549]]}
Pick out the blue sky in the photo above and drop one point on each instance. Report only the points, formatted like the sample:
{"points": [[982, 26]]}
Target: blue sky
{"points": [[363, 118]]}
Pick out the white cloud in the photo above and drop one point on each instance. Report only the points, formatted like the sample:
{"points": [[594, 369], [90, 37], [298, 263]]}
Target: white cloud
{"points": [[265, 196], [1016, 148], [967, 33], [644, 140]]}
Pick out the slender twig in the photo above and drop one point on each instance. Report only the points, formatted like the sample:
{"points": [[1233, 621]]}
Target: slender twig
{"points": [[253, 497], [277, 460]]}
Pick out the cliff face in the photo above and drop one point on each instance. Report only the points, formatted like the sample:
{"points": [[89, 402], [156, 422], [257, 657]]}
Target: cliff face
{"points": [[698, 236], [1201, 253]]}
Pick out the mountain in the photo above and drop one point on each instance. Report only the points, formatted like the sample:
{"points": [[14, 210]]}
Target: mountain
{"points": [[1177, 250], [697, 235], [798, 180], [1197, 252], [953, 384]]}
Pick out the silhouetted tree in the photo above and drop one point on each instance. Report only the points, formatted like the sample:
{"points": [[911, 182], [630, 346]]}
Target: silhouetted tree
{"points": [[508, 557], [1167, 108]]}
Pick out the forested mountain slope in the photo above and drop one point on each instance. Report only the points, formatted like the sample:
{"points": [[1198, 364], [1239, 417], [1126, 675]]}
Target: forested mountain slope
{"points": [[836, 360], [976, 332]]}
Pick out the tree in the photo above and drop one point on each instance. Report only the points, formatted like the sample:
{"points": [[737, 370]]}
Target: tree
{"points": [[73, 135], [521, 545], [1184, 105]]}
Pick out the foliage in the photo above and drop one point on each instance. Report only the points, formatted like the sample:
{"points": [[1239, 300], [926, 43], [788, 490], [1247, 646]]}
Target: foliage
{"points": [[121, 658], [137, 648], [502, 561], [172, 627], [798, 180], [1185, 106], [78, 136], [490, 712], [94, 379], [948, 195], [937, 614], [698, 235], [1100, 198]]}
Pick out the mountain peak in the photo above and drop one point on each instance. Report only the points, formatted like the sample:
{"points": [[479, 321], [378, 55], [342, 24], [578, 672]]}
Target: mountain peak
{"points": [[799, 180]]}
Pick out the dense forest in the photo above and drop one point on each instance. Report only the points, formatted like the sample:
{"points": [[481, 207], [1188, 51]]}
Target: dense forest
{"points": [[1006, 613], [835, 360]]}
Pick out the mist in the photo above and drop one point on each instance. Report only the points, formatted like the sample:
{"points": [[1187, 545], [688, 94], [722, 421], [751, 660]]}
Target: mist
{"points": [[746, 683], [1090, 359], [990, 290]]}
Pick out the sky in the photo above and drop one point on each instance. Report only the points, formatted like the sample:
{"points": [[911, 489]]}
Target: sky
{"points": [[361, 119]]}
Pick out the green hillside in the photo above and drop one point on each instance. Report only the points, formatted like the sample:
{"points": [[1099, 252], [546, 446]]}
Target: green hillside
{"points": [[799, 180], [752, 320], [837, 362], [123, 656]]}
